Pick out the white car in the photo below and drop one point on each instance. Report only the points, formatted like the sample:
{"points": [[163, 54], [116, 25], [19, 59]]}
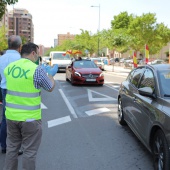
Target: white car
{"points": [[45, 59], [99, 62], [60, 58]]}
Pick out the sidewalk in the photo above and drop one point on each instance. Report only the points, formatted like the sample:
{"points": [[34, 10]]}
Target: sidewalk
{"points": [[118, 70]]}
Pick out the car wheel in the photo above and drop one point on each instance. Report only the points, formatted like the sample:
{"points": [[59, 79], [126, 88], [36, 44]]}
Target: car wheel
{"points": [[160, 150], [120, 113]]}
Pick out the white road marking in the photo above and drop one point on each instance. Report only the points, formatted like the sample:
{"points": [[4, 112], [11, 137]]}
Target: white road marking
{"points": [[97, 111], [68, 104], [58, 121], [43, 106], [111, 87], [116, 86], [108, 82], [106, 98], [123, 75]]}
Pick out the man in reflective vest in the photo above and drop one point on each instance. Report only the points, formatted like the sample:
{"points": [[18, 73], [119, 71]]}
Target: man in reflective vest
{"points": [[23, 107]]}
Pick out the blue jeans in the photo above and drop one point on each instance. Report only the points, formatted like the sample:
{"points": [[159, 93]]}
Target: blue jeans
{"points": [[3, 129]]}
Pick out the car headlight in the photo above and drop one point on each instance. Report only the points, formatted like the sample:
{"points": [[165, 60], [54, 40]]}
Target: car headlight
{"points": [[77, 74], [101, 75]]}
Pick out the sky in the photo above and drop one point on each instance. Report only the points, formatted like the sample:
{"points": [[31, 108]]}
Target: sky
{"points": [[53, 17]]}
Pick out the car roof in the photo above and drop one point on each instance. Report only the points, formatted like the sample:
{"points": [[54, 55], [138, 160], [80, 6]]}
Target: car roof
{"points": [[57, 52], [158, 67]]}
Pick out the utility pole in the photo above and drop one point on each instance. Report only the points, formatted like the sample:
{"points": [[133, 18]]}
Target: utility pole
{"points": [[98, 28]]}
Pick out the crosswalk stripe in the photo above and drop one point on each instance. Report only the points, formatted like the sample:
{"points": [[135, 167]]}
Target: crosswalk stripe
{"points": [[97, 111], [58, 121]]}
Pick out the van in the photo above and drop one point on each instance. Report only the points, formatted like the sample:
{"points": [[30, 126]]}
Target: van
{"points": [[60, 58]]}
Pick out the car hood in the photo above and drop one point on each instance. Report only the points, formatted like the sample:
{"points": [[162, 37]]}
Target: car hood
{"points": [[88, 70]]}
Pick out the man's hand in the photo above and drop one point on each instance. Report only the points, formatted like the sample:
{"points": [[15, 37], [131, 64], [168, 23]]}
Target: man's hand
{"points": [[45, 67], [52, 70]]}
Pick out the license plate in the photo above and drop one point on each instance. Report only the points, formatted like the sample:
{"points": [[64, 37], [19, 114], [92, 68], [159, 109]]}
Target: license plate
{"points": [[90, 79]]}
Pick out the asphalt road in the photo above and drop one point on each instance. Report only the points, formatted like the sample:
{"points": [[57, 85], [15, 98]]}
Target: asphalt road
{"points": [[81, 131]]}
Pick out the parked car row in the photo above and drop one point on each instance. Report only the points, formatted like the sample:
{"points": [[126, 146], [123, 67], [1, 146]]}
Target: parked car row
{"points": [[156, 62]]}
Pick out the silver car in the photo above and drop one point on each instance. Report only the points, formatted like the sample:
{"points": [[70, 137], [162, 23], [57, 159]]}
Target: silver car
{"points": [[144, 105]]}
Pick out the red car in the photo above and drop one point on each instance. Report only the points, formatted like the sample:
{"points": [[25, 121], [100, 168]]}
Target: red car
{"points": [[84, 72]]}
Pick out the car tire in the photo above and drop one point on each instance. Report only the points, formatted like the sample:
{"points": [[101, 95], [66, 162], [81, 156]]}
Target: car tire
{"points": [[72, 81], [120, 113], [160, 151], [67, 79], [100, 84]]}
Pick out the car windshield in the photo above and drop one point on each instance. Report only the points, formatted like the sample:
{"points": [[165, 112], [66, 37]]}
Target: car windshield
{"points": [[164, 79], [61, 56], [84, 64]]}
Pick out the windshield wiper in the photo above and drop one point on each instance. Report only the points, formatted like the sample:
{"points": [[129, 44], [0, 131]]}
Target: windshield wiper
{"points": [[166, 95]]}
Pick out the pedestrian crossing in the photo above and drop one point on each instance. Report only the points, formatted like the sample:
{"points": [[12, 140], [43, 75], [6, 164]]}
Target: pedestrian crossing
{"points": [[88, 113], [99, 102]]}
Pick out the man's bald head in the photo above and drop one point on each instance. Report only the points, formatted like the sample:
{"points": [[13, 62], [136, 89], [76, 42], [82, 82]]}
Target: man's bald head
{"points": [[14, 42]]}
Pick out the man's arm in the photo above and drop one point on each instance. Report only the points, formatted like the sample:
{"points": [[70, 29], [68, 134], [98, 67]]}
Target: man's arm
{"points": [[53, 83], [42, 80]]}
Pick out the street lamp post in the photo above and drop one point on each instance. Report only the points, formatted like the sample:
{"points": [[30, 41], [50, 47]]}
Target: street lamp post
{"points": [[98, 27]]}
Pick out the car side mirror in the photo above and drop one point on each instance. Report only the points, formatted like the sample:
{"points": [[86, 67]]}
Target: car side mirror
{"points": [[147, 91], [100, 67]]}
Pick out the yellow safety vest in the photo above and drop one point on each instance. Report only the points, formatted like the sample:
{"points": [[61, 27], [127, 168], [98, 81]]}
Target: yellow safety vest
{"points": [[23, 100]]}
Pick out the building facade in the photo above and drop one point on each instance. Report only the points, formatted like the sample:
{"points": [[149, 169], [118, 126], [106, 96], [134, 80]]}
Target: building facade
{"points": [[20, 23], [55, 42], [63, 37]]}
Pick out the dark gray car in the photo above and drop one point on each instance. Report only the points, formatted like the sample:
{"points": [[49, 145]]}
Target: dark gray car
{"points": [[144, 104]]}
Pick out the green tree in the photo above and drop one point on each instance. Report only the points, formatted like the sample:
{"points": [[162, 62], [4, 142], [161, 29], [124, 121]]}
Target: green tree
{"points": [[82, 42], [86, 41], [66, 45], [117, 37], [130, 32], [3, 39], [3, 4], [121, 21], [144, 30], [24, 40]]}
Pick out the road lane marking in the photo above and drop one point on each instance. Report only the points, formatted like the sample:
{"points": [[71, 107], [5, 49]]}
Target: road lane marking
{"points": [[58, 121], [108, 82], [122, 75], [103, 98], [97, 111], [111, 87], [68, 104], [43, 106], [116, 86]]}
